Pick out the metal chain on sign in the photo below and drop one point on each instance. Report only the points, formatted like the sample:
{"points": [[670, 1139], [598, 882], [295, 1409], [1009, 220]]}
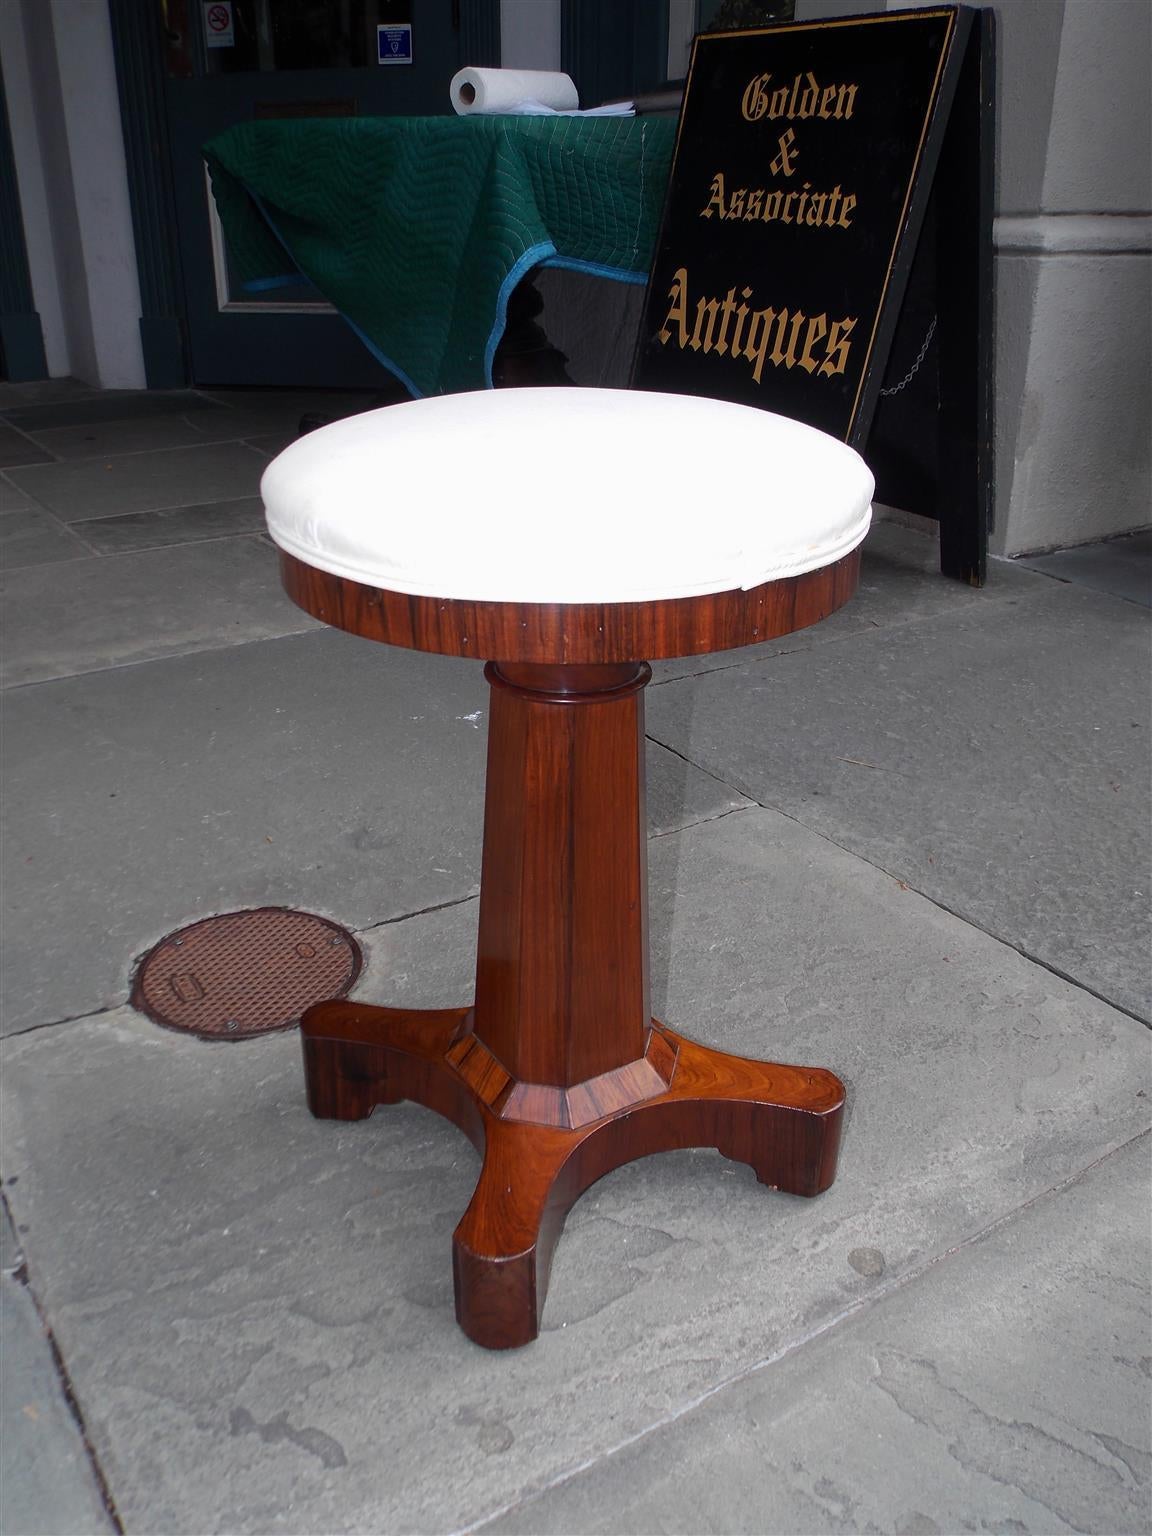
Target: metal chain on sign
{"points": [[915, 368]]}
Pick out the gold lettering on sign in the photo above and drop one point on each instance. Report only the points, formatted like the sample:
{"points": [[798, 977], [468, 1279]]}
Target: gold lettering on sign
{"points": [[716, 201], [781, 337], [785, 162], [837, 359], [815, 210], [804, 98], [703, 335], [678, 309]]}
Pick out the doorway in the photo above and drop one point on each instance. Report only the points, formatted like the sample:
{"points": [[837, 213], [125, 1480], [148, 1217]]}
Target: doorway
{"points": [[232, 61]]}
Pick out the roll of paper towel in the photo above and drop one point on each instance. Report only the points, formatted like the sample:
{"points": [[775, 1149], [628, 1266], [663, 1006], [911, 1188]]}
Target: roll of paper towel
{"points": [[512, 90]]}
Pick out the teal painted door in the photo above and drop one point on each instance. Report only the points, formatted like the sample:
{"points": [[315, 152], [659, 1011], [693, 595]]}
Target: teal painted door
{"points": [[228, 61]]}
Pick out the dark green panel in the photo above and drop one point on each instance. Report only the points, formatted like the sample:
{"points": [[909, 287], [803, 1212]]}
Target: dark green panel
{"points": [[480, 33], [15, 279], [21, 340], [139, 74], [613, 48]]}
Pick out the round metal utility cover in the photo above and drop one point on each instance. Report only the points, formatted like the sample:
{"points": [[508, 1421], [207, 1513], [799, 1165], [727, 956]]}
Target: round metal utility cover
{"points": [[245, 973]]}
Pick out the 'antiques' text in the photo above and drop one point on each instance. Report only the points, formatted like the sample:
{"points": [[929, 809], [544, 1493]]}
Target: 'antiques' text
{"points": [[784, 338]]}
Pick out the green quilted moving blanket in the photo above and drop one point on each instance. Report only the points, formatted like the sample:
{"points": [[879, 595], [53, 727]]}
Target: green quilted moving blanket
{"points": [[418, 228]]}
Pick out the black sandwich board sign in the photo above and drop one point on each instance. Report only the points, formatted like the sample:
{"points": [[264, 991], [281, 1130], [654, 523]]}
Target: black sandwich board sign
{"points": [[826, 248]]}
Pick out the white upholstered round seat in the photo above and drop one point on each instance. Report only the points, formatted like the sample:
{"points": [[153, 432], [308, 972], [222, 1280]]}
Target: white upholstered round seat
{"points": [[567, 496]]}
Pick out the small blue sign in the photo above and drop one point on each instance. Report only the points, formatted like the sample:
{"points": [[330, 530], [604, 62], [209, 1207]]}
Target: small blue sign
{"points": [[394, 44]]}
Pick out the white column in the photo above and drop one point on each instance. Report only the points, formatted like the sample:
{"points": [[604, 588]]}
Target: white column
{"points": [[1074, 272], [1073, 241], [100, 188], [77, 215], [33, 182]]}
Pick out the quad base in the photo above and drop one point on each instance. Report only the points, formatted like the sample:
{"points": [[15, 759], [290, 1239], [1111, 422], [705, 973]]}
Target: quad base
{"points": [[783, 1121], [559, 1073]]}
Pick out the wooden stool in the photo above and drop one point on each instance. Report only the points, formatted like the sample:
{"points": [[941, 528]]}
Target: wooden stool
{"points": [[567, 536]]}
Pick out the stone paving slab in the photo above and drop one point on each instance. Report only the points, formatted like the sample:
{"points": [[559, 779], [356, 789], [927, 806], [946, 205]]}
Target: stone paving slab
{"points": [[140, 482], [1121, 567], [175, 525], [237, 1287], [995, 757], [11, 1254], [42, 392], [32, 537], [281, 418], [323, 402], [200, 421], [319, 771], [81, 407], [1005, 1389], [46, 1483], [273, 443], [12, 500], [16, 449], [132, 434], [900, 584], [59, 621]]}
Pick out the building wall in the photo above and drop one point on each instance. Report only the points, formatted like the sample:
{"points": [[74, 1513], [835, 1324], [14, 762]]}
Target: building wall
{"points": [[1073, 238], [1073, 271], [17, 64], [60, 74]]}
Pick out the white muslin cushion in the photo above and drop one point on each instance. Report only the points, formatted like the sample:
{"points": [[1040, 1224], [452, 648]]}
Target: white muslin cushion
{"points": [[567, 496]]}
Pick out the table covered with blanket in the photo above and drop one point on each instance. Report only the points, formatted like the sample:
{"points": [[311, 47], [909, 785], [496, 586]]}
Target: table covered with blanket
{"points": [[418, 229]]}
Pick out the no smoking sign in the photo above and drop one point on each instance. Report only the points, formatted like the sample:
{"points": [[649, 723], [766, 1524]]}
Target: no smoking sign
{"points": [[219, 30]]}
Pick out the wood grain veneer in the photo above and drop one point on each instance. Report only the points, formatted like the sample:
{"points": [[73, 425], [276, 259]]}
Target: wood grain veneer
{"points": [[558, 1072], [564, 633]]}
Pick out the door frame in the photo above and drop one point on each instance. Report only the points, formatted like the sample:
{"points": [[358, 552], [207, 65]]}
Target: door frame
{"points": [[613, 48], [21, 339], [138, 46]]}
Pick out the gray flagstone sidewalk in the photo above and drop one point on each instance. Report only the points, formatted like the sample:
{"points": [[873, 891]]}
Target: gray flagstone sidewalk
{"points": [[909, 844]]}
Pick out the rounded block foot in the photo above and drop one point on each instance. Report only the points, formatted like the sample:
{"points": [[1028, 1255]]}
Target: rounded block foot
{"points": [[345, 1081], [783, 1121]]}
